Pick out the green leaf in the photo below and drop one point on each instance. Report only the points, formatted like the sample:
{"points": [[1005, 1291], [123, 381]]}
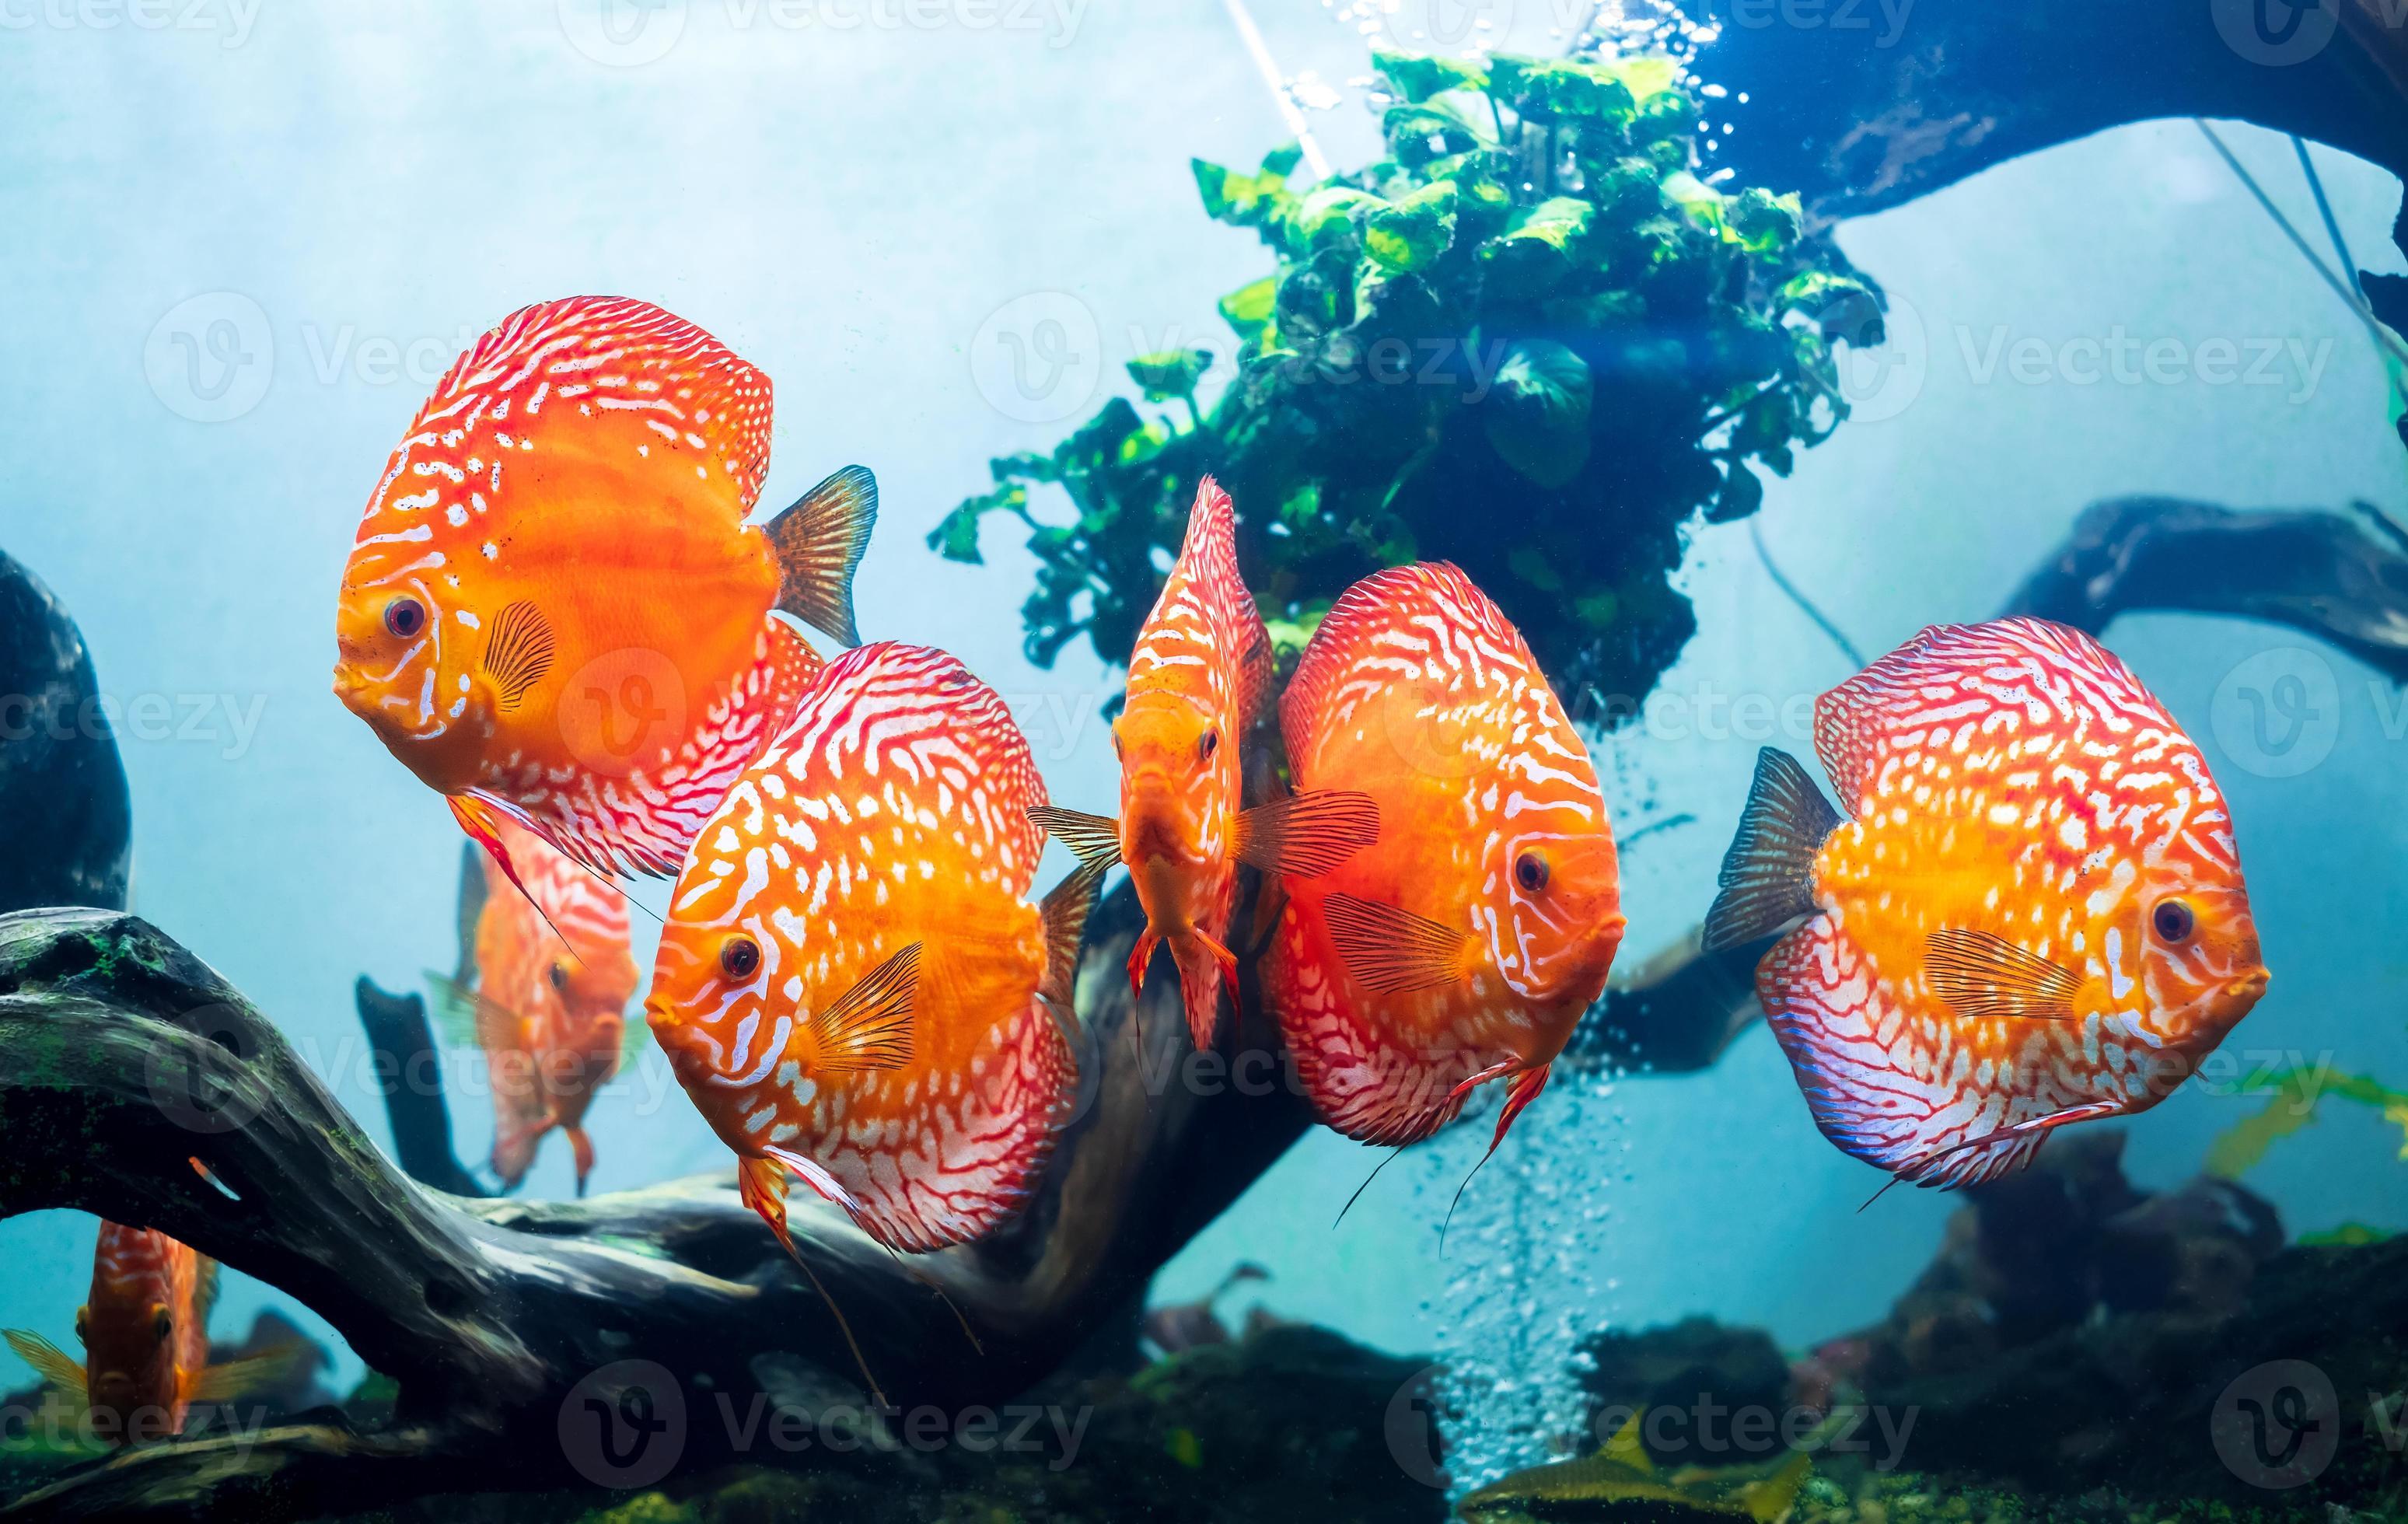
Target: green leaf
{"points": [[1536, 249], [1326, 218], [1280, 162], [956, 536], [1562, 87], [1701, 201], [1537, 413], [1764, 224], [1417, 77], [1171, 373], [1412, 234], [1241, 200], [1531, 564], [1249, 308], [1743, 494]]}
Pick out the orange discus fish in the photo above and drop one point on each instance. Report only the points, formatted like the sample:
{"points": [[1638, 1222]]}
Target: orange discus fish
{"points": [[146, 1341], [555, 611], [850, 985], [543, 992], [2032, 913], [1197, 679], [1465, 945]]}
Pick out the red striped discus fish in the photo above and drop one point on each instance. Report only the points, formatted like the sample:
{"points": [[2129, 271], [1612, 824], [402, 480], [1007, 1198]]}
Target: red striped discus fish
{"points": [[145, 1335], [850, 985], [543, 993], [1197, 679], [1465, 943], [2031, 915], [555, 611]]}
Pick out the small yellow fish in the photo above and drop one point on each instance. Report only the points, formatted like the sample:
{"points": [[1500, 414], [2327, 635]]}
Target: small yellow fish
{"points": [[1621, 1482]]}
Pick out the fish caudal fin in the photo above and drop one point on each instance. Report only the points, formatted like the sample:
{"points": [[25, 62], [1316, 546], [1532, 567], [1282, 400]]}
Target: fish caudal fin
{"points": [[1307, 834], [819, 541], [230, 1379], [1094, 840], [53, 1364], [869, 1028], [1768, 875]]}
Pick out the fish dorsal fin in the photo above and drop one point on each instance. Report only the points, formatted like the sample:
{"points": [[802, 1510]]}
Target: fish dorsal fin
{"points": [[229, 1379], [518, 651], [1307, 834], [471, 910], [870, 1026], [1984, 977], [1092, 839], [1626, 1448], [819, 541], [1390, 950], [50, 1361], [1064, 912], [1768, 874]]}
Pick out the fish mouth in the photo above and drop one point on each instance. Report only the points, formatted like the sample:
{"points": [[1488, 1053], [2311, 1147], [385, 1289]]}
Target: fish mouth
{"points": [[2249, 987]]}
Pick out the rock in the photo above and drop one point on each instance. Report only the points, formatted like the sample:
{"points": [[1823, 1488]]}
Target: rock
{"points": [[1702, 1368], [71, 836]]}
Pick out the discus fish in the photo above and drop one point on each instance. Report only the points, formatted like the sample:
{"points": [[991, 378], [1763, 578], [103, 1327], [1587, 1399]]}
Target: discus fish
{"points": [[145, 1337], [1621, 1481], [851, 984], [542, 990], [2031, 915], [1197, 679], [1464, 945], [555, 612]]}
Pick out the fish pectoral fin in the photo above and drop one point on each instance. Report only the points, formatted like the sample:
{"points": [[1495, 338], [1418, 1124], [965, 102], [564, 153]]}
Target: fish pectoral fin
{"points": [[1390, 950], [819, 541], [1626, 1449], [1307, 834], [1983, 977], [52, 1363], [870, 1026], [632, 1038], [473, 1018], [1092, 839], [1064, 911], [1768, 875], [518, 651], [270, 1366]]}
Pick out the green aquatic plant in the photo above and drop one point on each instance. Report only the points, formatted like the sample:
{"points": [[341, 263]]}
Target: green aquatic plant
{"points": [[2298, 1092], [1529, 340]]}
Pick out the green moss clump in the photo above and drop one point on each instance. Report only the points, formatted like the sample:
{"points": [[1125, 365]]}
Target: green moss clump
{"points": [[1530, 340]]}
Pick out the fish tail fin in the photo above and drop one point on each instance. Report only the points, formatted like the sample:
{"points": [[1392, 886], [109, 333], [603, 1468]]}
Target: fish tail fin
{"points": [[1204, 967], [819, 541], [271, 1367], [514, 1150], [1064, 911], [1767, 1501], [582, 1145], [1768, 874], [52, 1363]]}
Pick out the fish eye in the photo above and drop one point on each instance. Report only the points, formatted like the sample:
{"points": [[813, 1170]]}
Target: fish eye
{"points": [[1210, 743], [738, 956], [560, 976], [2173, 920], [83, 1325], [163, 1321], [1530, 872], [405, 618]]}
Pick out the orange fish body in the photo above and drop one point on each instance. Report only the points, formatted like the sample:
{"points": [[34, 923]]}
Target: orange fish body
{"points": [[553, 975], [145, 1337], [2032, 913], [1197, 681], [849, 984], [555, 611], [1464, 945]]}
